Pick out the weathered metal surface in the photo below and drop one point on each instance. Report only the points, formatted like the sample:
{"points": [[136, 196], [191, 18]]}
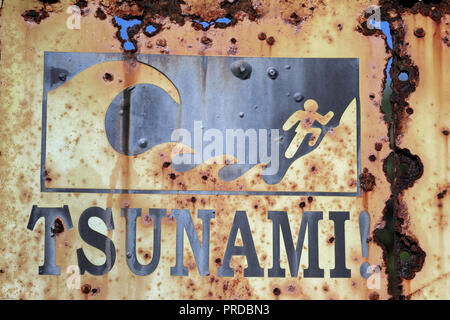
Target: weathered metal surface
{"points": [[319, 29]]}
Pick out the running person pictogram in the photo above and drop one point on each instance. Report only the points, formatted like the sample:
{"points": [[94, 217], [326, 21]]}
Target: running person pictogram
{"points": [[306, 118]]}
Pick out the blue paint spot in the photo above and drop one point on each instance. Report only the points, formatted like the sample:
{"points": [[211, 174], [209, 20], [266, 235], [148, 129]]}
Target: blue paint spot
{"points": [[150, 29], [206, 24], [128, 45], [403, 76], [384, 26], [224, 20], [124, 25], [386, 105], [387, 32], [203, 23], [388, 69]]}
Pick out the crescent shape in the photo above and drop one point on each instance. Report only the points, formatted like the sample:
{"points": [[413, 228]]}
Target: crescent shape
{"points": [[124, 74]]}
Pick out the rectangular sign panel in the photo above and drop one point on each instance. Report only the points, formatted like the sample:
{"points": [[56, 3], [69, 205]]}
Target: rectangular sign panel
{"points": [[203, 125]]}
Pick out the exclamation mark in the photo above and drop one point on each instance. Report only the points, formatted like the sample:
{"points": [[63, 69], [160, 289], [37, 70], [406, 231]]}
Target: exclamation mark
{"points": [[364, 225]]}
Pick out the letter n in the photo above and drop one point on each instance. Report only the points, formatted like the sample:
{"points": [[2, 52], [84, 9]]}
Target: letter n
{"points": [[201, 252]]}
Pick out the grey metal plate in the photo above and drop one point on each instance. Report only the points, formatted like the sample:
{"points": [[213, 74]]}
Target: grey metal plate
{"points": [[213, 93]]}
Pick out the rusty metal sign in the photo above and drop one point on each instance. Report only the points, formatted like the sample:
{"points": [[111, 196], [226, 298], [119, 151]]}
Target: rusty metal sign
{"points": [[224, 150]]}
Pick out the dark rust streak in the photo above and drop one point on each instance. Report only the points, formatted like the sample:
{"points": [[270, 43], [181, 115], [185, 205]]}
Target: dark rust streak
{"points": [[441, 277], [407, 168]]}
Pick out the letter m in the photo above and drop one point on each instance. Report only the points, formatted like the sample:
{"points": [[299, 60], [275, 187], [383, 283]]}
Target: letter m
{"points": [[310, 220]]}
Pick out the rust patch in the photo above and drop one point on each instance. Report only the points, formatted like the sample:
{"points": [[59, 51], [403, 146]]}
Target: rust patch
{"points": [[276, 291], [35, 16], [95, 291], [58, 227], [156, 13], [446, 39], [86, 288], [270, 41], [161, 42], [47, 176], [407, 169], [442, 194], [295, 19], [100, 14], [367, 180], [296, 12], [81, 4], [108, 77], [206, 41], [434, 9], [374, 296], [233, 8], [411, 256], [419, 33]]}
